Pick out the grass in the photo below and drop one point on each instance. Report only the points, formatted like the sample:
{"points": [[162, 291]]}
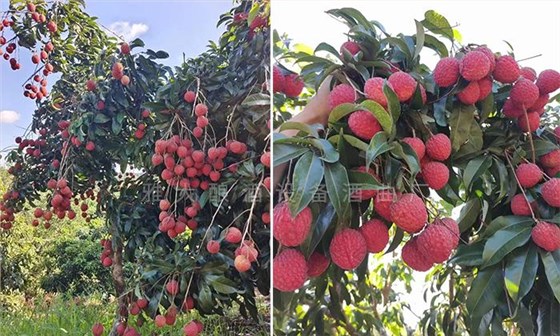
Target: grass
{"points": [[56, 315]]}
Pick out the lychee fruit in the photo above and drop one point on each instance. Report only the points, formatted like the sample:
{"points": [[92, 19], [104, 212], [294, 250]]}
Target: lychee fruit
{"points": [[520, 206], [528, 73], [490, 54], [529, 123], [289, 270], [189, 97], [546, 236], [511, 110], [340, 94], [91, 85], [474, 66], [172, 287], [550, 191], [277, 79], [548, 81], [97, 329], [470, 94], [436, 243], [293, 85], [524, 92], [365, 194], [363, 124], [528, 174], [213, 247], [125, 48], [551, 159], [539, 104], [376, 234], [350, 46], [403, 84], [317, 264], [373, 89], [453, 227], [409, 213], [383, 201], [506, 70], [242, 263], [191, 329], [446, 72], [417, 145], [438, 147], [484, 87], [233, 235], [412, 256], [288, 230], [348, 249], [435, 174]]}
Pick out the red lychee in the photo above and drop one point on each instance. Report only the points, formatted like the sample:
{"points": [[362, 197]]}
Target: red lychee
{"points": [[373, 89], [409, 213], [528, 73], [213, 247], [288, 230], [436, 243], [363, 124], [189, 97], [507, 70], [365, 194], [529, 174], [490, 54], [529, 123], [417, 145], [383, 201], [520, 206], [550, 191], [348, 249], [350, 46], [484, 87], [539, 104], [289, 270], [413, 257], [403, 84], [511, 110], [233, 235], [546, 236], [242, 263], [293, 85], [438, 147], [551, 159], [277, 79], [435, 174], [446, 72], [376, 234], [453, 227], [340, 94], [172, 287], [548, 81], [524, 92], [474, 66], [470, 94], [97, 329], [317, 264]]}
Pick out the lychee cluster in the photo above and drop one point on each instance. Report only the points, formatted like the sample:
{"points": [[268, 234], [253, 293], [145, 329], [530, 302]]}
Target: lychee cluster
{"points": [[107, 253], [290, 84]]}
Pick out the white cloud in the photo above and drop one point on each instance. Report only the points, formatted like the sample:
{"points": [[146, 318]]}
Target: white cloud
{"points": [[8, 117], [128, 31]]}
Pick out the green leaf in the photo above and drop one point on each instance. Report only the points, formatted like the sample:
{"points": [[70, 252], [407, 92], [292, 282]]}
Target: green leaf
{"points": [[284, 153], [338, 188], [341, 111], [437, 24], [384, 118], [101, 118], [393, 103], [460, 122], [542, 147], [328, 152], [548, 323], [503, 242], [223, 285], [475, 168], [551, 262], [292, 125], [377, 146], [420, 37], [485, 293], [321, 225], [307, 176], [436, 45], [506, 221], [469, 214], [520, 272], [397, 239], [487, 107], [468, 255], [328, 48], [406, 153], [364, 180], [355, 142]]}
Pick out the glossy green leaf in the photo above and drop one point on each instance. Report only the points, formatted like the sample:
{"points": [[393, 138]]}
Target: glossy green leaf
{"points": [[460, 122], [338, 187], [551, 262], [475, 168], [377, 146], [420, 37], [520, 272], [384, 118], [437, 24], [470, 212], [548, 323], [484, 294], [342, 111], [286, 153], [393, 103], [503, 242], [307, 176], [468, 255]]}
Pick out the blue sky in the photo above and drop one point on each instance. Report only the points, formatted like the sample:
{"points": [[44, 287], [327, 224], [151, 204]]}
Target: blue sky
{"points": [[180, 26]]}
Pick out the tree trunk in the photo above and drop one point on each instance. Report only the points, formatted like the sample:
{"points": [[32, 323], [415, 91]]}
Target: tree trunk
{"points": [[118, 280]]}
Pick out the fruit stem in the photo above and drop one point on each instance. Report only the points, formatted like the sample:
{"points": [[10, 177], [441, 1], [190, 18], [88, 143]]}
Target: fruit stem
{"points": [[530, 135]]}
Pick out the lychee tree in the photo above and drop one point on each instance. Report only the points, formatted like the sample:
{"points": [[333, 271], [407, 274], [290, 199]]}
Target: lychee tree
{"points": [[176, 159], [368, 197]]}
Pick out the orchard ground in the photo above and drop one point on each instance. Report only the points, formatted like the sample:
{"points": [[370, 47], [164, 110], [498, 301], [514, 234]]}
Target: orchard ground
{"points": [[309, 25]]}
